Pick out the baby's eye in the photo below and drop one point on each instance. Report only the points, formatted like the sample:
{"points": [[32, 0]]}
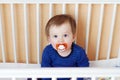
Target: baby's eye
{"points": [[65, 35], [55, 36]]}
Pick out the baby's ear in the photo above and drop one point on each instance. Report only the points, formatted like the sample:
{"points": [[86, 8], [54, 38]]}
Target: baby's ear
{"points": [[74, 37], [48, 39]]}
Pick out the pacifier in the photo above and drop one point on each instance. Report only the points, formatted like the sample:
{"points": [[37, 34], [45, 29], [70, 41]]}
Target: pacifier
{"points": [[61, 47]]}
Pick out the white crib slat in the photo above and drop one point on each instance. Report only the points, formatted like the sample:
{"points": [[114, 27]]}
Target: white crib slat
{"points": [[119, 53], [13, 78], [38, 33], [88, 26], [1, 37], [113, 78], [63, 8], [13, 33], [111, 31], [93, 78], [50, 10], [76, 16], [76, 13], [34, 78], [54, 78], [99, 31], [73, 78], [26, 32]]}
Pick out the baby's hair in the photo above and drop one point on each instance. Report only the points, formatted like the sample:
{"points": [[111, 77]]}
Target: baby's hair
{"points": [[58, 20]]}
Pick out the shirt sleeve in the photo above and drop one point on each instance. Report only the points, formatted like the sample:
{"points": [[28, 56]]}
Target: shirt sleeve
{"points": [[82, 60], [46, 61]]}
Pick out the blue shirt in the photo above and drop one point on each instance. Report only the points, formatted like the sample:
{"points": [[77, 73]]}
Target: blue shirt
{"points": [[77, 58]]}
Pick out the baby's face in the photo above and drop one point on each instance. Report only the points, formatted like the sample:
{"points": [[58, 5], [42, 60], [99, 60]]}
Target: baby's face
{"points": [[61, 37]]}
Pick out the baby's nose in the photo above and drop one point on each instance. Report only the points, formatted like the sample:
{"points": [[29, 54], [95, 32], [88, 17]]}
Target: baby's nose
{"points": [[61, 39]]}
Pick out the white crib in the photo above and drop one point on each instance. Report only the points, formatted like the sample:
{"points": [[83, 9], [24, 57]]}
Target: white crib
{"points": [[22, 38], [53, 73]]}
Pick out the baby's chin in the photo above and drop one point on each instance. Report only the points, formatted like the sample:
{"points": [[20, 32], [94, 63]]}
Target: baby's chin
{"points": [[61, 50]]}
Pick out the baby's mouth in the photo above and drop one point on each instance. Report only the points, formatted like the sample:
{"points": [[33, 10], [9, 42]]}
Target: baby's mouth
{"points": [[61, 47]]}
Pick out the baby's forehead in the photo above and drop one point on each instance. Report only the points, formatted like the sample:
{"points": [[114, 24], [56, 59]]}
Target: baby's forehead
{"points": [[60, 25], [61, 30]]}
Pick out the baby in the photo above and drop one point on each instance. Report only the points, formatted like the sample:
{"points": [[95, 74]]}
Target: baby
{"points": [[62, 51]]}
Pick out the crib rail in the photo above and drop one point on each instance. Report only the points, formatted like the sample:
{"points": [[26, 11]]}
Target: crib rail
{"points": [[54, 73], [58, 1]]}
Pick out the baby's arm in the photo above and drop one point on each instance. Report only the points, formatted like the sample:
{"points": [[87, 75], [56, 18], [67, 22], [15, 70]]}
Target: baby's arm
{"points": [[83, 60], [46, 62]]}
